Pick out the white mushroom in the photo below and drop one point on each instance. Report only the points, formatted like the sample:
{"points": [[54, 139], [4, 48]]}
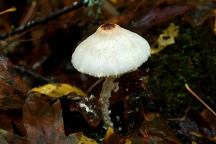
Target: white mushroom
{"points": [[109, 52]]}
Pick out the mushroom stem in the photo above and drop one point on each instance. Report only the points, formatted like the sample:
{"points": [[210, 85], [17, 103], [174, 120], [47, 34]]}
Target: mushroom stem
{"points": [[108, 86]]}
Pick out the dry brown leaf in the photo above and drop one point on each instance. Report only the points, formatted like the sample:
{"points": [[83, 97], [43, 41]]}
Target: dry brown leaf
{"points": [[44, 122], [13, 88]]}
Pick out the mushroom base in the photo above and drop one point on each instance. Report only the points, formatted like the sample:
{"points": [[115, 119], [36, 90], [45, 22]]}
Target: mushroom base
{"points": [[108, 86]]}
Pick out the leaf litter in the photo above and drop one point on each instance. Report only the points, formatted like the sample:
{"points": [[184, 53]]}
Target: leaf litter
{"points": [[63, 113]]}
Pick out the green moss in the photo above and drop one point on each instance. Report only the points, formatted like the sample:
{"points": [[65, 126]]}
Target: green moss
{"points": [[191, 59]]}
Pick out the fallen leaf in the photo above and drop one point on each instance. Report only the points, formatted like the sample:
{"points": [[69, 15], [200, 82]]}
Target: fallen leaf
{"points": [[156, 16], [86, 140], [155, 131], [112, 138], [87, 106], [74, 99], [202, 124], [195, 126], [166, 38], [143, 15], [11, 120], [202, 11], [10, 138], [44, 122], [210, 118], [109, 133], [56, 90], [13, 88], [128, 141]]}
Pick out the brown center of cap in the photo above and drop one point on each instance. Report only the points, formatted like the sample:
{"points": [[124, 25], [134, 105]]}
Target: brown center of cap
{"points": [[108, 26]]}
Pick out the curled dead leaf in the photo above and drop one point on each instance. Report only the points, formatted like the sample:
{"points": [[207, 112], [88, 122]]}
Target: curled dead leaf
{"points": [[13, 88]]}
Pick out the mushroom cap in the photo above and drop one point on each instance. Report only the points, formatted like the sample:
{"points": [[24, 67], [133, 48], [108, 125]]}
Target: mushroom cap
{"points": [[110, 51]]}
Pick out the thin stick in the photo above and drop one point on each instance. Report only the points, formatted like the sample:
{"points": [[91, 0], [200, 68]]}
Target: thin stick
{"points": [[94, 85], [197, 97], [30, 12], [33, 74], [34, 23], [12, 9]]}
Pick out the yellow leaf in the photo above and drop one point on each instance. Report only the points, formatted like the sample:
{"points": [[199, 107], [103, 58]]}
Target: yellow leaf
{"points": [[166, 38], [109, 133], [128, 141], [3, 132], [57, 90], [114, 1], [86, 140]]}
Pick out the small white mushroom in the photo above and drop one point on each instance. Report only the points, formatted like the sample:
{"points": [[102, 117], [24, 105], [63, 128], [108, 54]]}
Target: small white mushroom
{"points": [[110, 52]]}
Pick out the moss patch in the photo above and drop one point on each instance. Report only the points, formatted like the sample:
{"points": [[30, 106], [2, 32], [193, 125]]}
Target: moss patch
{"points": [[191, 59]]}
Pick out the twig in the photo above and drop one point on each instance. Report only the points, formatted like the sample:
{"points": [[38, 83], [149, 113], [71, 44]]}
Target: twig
{"points": [[33, 74], [12, 9], [34, 23], [198, 98], [29, 13], [94, 85]]}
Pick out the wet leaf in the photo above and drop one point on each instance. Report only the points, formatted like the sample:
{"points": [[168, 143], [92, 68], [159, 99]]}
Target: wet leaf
{"points": [[128, 141], [154, 131], [202, 124], [88, 107], [86, 140], [13, 88], [9, 138], [56, 90], [11, 120], [209, 118], [196, 127], [111, 137], [44, 122], [109, 133], [202, 11], [128, 103], [114, 1], [143, 15], [74, 98], [166, 38], [156, 16]]}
